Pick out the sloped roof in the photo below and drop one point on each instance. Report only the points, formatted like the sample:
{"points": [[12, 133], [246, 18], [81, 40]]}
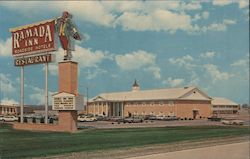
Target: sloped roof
{"points": [[157, 94], [222, 101], [62, 94]]}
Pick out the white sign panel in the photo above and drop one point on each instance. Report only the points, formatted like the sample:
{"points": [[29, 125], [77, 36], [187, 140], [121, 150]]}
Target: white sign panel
{"points": [[67, 101]]}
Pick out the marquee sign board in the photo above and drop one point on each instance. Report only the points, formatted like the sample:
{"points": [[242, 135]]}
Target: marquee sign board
{"points": [[34, 38], [67, 101], [38, 59]]}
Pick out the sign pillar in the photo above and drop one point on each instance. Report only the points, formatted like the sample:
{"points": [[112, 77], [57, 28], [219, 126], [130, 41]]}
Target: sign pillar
{"points": [[68, 82], [46, 93], [21, 93]]}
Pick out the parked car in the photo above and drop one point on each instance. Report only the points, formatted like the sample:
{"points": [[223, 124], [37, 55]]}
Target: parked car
{"points": [[150, 117], [214, 118], [10, 118], [160, 117], [100, 117], [114, 119], [232, 122], [237, 122], [169, 118], [86, 118], [132, 120]]}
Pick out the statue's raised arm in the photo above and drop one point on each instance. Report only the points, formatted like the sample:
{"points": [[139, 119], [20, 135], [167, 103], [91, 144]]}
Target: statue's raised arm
{"points": [[67, 33]]}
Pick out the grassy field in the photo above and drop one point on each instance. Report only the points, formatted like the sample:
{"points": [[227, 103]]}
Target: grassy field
{"points": [[20, 144]]}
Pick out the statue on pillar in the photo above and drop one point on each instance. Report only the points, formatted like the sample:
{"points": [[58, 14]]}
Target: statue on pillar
{"points": [[67, 32]]}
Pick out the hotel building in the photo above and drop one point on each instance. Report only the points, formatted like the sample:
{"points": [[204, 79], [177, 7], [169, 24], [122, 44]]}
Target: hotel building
{"points": [[224, 107], [185, 102]]}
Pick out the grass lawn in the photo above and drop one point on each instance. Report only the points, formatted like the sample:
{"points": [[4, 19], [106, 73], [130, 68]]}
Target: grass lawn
{"points": [[20, 144]]}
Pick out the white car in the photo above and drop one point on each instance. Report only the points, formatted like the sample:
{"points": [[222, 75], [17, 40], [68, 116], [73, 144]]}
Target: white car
{"points": [[9, 118], [160, 117], [232, 122], [86, 118], [237, 122]]}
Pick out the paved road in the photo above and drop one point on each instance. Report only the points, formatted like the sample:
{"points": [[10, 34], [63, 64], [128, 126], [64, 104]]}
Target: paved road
{"points": [[230, 151]]}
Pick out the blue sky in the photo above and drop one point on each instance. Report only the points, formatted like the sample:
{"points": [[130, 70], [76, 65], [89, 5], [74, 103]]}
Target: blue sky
{"points": [[162, 44]]}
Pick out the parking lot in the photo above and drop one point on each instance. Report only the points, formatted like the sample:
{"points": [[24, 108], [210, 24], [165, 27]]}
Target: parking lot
{"points": [[147, 123]]}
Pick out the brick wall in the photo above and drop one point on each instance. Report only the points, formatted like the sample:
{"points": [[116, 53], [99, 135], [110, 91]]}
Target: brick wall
{"points": [[67, 77], [179, 108], [40, 127], [185, 108]]}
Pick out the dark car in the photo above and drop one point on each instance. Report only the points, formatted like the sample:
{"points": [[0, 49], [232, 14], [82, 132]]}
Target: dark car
{"points": [[150, 117], [214, 118], [170, 118], [132, 120]]}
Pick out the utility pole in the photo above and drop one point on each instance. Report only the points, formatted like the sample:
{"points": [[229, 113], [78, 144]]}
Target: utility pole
{"points": [[0, 91], [22, 93], [46, 92], [87, 100]]}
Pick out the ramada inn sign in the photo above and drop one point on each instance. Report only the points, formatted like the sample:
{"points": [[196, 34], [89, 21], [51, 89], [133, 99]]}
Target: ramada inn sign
{"points": [[34, 38]]}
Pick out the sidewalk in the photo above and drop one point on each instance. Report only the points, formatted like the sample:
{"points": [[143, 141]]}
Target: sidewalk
{"points": [[229, 151]]}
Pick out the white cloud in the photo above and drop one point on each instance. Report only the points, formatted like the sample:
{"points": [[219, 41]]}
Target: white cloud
{"points": [[174, 82], [196, 17], [216, 74], [241, 3], [242, 62], [156, 71], [222, 2], [185, 61], [166, 16], [5, 47], [218, 26], [91, 11], [205, 15], [7, 101], [156, 16], [209, 54], [195, 79], [37, 97], [137, 60], [156, 21], [53, 69], [95, 72], [86, 57], [7, 85], [195, 5]]}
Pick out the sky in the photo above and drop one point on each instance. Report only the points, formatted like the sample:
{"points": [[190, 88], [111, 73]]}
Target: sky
{"points": [[161, 44]]}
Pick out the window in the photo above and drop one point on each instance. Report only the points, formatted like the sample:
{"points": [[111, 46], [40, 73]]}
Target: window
{"points": [[170, 103]]}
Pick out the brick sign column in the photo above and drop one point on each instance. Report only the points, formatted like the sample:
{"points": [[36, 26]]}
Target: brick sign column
{"points": [[68, 82]]}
